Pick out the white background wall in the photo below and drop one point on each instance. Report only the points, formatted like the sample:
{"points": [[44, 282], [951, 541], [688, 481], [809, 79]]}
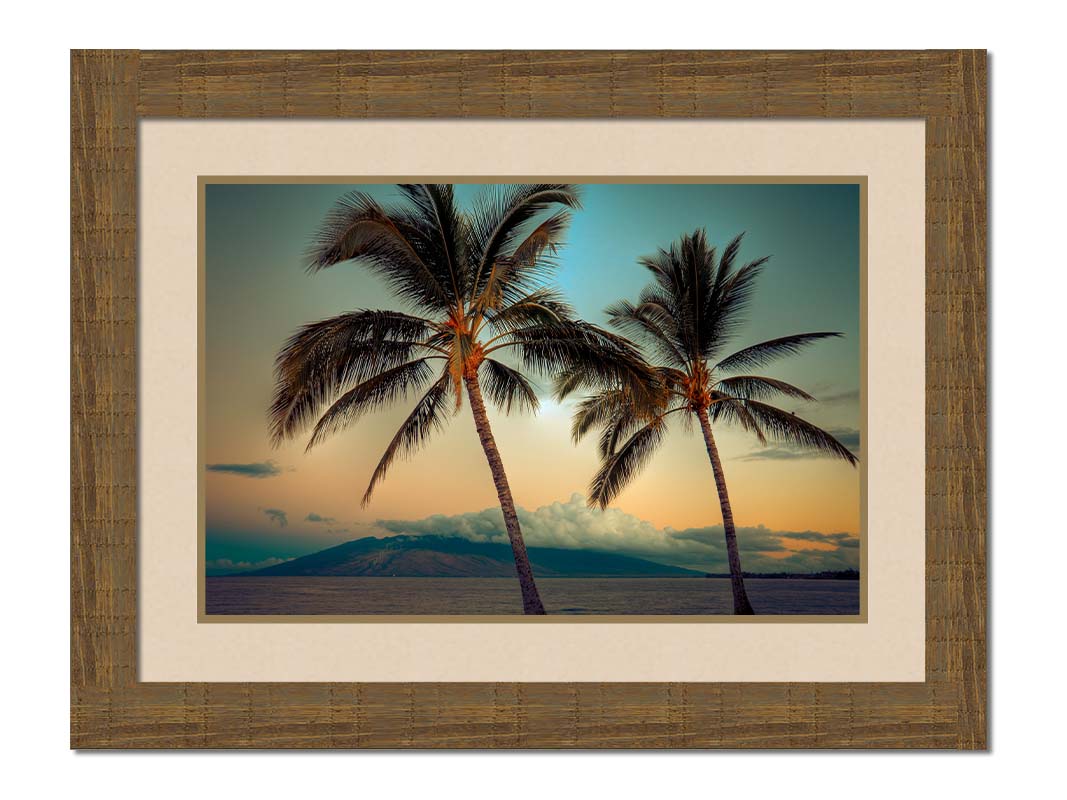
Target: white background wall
{"points": [[1027, 268]]}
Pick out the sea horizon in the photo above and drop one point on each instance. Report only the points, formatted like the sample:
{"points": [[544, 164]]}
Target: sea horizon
{"points": [[459, 596]]}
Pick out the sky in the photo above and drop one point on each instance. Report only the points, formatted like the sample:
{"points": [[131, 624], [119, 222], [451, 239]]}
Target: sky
{"points": [[794, 511]]}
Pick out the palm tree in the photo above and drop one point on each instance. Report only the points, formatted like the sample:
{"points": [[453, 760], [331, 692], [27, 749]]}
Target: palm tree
{"points": [[475, 286], [682, 322]]}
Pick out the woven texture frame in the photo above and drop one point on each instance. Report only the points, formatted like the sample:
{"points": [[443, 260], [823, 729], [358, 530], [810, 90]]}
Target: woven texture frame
{"points": [[112, 90]]}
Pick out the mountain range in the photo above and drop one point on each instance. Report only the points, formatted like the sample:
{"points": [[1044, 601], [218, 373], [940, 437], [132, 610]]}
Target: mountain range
{"points": [[453, 557]]}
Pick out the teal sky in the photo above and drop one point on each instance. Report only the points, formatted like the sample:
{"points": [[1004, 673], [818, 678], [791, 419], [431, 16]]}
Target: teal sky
{"points": [[257, 294]]}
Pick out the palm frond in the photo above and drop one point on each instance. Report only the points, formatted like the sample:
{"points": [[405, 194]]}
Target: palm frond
{"points": [[783, 426], [544, 306], [661, 307], [394, 243], [666, 270], [622, 466], [755, 387], [625, 425], [447, 229], [688, 291], [507, 387], [532, 261], [650, 324], [697, 300], [725, 269], [428, 416], [545, 237], [700, 270], [728, 409], [499, 217], [713, 301], [325, 357], [573, 345], [568, 381], [758, 355], [618, 429], [726, 313], [372, 394], [600, 410], [625, 374]]}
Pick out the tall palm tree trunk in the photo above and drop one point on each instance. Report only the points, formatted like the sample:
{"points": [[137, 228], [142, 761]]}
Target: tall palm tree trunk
{"points": [[531, 600], [737, 583]]}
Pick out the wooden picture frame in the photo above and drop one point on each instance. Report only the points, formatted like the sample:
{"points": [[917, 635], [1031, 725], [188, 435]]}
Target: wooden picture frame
{"points": [[112, 90]]}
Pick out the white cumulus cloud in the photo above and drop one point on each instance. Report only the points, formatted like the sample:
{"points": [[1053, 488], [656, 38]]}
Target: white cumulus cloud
{"points": [[573, 525]]}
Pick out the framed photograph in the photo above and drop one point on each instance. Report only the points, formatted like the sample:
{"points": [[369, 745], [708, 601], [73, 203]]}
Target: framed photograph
{"points": [[528, 399], [598, 537]]}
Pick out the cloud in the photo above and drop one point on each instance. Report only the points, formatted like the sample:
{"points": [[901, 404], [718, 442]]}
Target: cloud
{"points": [[313, 517], [849, 437], [840, 539], [840, 398], [276, 515], [259, 469], [226, 565], [574, 525]]}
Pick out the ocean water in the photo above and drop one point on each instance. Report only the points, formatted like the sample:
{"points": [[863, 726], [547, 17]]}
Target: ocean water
{"points": [[320, 595]]}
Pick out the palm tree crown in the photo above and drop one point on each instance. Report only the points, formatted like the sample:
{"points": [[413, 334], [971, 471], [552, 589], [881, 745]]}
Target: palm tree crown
{"points": [[476, 286], [683, 321]]}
